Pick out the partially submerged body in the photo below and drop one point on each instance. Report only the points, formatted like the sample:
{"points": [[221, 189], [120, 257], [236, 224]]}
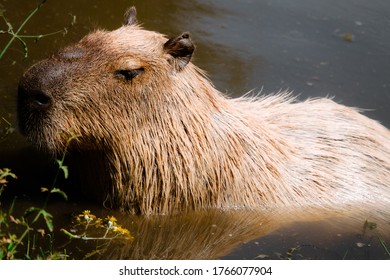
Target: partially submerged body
{"points": [[155, 136]]}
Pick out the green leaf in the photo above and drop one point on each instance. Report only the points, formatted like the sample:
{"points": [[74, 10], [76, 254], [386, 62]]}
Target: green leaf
{"points": [[30, 210], [48, 219], [6, 172], [62, 193], [11, 246], [64, 168]]}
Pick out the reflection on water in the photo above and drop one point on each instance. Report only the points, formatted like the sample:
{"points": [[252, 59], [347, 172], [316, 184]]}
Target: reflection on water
{"points": [[215, 234], [242, 45], [247, 235]]}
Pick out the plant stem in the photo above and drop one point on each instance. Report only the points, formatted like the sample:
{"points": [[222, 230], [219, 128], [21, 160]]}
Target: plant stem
{"points": [[59, 169], [20, 239], [383, 244], [15, 34]]}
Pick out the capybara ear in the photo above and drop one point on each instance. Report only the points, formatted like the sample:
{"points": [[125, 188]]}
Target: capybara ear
{"points": [[130, 17], [180, 48]]}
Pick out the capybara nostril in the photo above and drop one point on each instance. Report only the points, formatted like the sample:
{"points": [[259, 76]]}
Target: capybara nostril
{"points": [[40, 99]]}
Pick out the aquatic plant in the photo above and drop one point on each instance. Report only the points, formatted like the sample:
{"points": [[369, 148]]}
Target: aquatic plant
{"points": [[103, 232], [15, 34], [24, 237], [6, 129], [15, 232]]}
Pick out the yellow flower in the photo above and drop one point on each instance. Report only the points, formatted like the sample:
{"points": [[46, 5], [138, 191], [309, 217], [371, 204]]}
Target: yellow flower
{"points": [[123, 230], [111, 219], [86, 212], [99, 222], [87, 216]]}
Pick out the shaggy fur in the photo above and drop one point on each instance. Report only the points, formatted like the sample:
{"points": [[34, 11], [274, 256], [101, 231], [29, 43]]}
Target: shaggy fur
{"points": [[157, 137]]}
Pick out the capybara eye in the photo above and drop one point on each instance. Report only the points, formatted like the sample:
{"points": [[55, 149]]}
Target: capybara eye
{"points": [[128, 74]]}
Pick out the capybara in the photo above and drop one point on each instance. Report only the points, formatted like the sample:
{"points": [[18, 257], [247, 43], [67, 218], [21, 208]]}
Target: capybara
{"points": [[156, 136]]}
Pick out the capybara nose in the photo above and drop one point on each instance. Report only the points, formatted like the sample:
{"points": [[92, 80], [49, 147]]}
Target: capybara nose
{"points": [[34, 99], [33, 105]]}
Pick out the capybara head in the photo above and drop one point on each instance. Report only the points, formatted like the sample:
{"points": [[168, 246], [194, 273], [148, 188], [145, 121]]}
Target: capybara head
{"points": [[154, 136], [120, 94], [94, 87]]}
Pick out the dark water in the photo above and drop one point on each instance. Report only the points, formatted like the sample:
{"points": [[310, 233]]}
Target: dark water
{"points": [[315, 48]]}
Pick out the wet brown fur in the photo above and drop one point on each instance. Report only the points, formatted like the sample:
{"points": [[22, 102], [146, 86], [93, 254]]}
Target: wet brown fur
{"points": [[157, 137]]}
